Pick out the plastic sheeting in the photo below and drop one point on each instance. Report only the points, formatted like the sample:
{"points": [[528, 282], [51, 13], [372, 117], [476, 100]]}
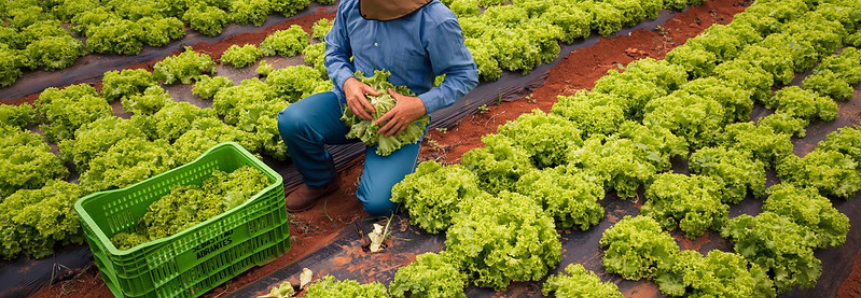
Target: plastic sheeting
{"points": [[24, 276], [90, 68], [345, 259]]}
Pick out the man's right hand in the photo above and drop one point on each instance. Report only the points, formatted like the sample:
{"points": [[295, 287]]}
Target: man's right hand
{"points": [[355, 92]]}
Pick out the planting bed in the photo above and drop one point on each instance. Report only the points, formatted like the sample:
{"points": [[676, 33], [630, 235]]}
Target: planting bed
{"points": [[326, 239]]}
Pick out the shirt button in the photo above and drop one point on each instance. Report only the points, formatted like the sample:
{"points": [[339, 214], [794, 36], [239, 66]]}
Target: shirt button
{"points": [[376, 44]]}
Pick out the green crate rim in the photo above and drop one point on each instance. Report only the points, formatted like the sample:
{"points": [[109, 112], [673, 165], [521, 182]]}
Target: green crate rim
{"points": [[112, 250]]}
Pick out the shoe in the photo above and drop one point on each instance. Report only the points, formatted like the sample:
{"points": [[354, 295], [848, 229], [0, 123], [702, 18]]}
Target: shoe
{"points": [[304, 198]]}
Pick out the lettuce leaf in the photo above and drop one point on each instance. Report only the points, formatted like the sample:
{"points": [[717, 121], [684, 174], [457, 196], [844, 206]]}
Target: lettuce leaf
{"points": [[433, 193], [366, 130]]}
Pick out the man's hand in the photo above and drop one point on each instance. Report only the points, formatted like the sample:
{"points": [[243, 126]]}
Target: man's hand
{"points": [[355, 92], [406, 111]]}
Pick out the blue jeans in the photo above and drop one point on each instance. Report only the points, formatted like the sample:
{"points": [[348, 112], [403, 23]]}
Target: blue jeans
{"points": [[314, 121]]}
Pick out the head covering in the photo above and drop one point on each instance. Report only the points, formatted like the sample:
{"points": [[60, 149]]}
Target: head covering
{"points": [[387, 10]]}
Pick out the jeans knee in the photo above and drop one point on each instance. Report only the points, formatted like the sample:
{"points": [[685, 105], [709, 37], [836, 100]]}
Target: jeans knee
{"points": [[377, 204], [290, 122]]}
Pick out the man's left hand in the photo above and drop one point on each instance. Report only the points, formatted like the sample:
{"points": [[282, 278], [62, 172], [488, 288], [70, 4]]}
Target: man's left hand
{"points": [[406, 111]]}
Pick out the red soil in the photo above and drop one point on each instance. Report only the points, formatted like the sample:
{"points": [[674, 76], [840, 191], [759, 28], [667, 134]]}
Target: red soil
{"points": [[579, 70], [851, 288]]}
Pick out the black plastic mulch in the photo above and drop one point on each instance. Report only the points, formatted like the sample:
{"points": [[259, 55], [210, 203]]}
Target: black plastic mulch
{"points": [[24, 276], [90, 68], [344, 258]]}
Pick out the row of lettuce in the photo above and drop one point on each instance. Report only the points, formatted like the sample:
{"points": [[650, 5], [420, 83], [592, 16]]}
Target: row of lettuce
{"points": [[515, 37], [48, 35], [520, 36], [501, 207], [111, 152], [155, 134]]}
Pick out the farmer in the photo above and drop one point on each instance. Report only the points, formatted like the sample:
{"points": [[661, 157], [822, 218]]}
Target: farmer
{"points": [[415, 40]]}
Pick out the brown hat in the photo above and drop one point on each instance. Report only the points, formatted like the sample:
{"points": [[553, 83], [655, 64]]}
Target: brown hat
{"points": [[387, 10]]}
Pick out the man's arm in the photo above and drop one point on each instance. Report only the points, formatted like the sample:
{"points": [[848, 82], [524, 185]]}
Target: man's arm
{"points": [[449, 56], [338, 51], [340, 69]]}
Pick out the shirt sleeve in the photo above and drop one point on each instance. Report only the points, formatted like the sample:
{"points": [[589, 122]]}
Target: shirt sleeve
{"points": [[449, 56], [338, 51]]}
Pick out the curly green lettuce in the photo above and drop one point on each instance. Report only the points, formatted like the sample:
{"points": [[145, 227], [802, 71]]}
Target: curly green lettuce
{"points": [[243, 12], [36, 221], [699, 120], [593, 113], [18, 116], [64, 111], [27, 162], [831, 172], [54, 52], [208, 132], [579, 282], [504, 238], [95, 138], [294, 83], [694, 58], [328, 287], [160, 31], [776, 63], [116, 36], [657, 144], [186, 206], [763, 142], [737, 172], [499, 164], [692, 203], [546, 137], [571, 198], [827, 83], [173, 120], [184, 67], [285, 43], [430, 276], [264, 69], [736, 101], [321, 28], [718, 274], [807, 208], [208, 20], [633, 92], [803, 104], [607, 19], [778, 245], [207, 87], [637, 248], [241, 57], [619, 163], [845, 140], [116, 85], [786, 124], [433, 193], [315, 56], [127, 162], [150, 102], [747, 75], [483, 54], [10, 70], [253, 106], [288, 7], [366, 130], [836, 75]]}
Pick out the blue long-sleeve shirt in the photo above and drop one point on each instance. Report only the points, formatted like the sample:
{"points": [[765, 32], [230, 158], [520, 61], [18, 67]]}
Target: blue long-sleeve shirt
{"points": [[414, 48]]}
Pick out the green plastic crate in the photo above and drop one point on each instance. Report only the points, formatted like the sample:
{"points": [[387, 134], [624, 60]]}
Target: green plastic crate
{"points": [[198, 259]]}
